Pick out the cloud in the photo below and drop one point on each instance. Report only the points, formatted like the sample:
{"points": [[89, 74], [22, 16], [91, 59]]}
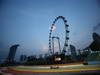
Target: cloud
{"points": [[44, 48]]}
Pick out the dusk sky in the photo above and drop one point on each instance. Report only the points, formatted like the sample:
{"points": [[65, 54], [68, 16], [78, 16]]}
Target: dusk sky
{"points": [[27, 22]]}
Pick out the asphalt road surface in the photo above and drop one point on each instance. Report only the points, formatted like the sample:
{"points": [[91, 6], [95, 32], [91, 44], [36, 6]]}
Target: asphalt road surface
{"points": [[62, 70], [66, 73]]}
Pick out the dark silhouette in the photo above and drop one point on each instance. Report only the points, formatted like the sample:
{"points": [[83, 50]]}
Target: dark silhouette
{"points": [[95, 45], [12, 52]]}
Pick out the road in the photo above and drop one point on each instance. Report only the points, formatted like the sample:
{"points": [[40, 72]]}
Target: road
{"points": [[52, 70]]}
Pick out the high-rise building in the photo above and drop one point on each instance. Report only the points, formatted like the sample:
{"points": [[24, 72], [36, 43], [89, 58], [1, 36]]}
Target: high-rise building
{"points": [[73, 50], [73, 53], [23, 58], [12, 53]]}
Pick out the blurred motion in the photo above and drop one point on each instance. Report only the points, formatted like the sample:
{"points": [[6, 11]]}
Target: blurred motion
{"points": [[71, 45]]}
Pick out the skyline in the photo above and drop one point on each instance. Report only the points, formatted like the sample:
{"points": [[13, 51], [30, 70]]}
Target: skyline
{"points": [[27, 22]]}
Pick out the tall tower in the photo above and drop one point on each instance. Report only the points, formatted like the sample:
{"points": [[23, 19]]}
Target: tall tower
{"points": [[12, 53], [73, 51]]}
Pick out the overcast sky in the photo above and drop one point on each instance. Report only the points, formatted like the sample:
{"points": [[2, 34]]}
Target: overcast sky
{"points": [[27, 22]]}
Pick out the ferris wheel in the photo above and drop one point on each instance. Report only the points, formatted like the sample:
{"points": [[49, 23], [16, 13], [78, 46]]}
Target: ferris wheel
{"points": [[52, 37]]}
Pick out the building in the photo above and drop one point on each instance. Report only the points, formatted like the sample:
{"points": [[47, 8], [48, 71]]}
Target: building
{"points": [[23, 58], [73, 52], [95, 45], [12, 53]]}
